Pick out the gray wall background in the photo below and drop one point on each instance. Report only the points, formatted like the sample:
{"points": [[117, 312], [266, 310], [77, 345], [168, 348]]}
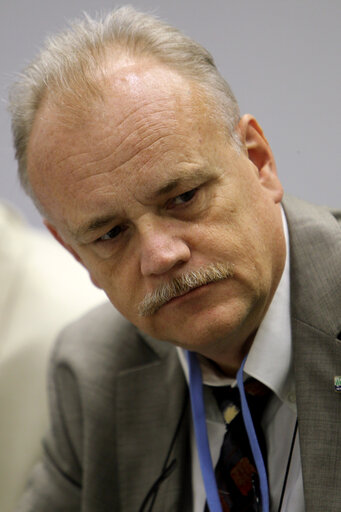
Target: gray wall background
{"points": [[281, 57]]}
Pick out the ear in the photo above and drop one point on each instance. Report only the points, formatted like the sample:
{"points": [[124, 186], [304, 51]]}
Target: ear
{"points": [[260, 154], [68, 247]]}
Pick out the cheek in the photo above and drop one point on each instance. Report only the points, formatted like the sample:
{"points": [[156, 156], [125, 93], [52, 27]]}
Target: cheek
{"points": [[220, 238], [120, 284], [237, 238], [101, 272]]}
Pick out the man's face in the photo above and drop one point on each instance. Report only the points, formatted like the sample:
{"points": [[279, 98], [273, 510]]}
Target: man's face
{"points": [[148, 189]]}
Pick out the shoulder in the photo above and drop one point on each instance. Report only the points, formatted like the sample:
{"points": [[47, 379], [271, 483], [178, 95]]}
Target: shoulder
{"points": [[313, 230], [103, 342], [315, 263], [302, 214]]}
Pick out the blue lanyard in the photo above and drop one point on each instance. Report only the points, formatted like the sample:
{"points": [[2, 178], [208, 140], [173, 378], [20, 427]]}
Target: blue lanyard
{"points": [[256, 452], [200, 430], [199, 418]]}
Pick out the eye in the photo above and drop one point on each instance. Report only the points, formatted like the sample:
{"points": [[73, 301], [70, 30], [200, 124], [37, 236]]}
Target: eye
{"points": [[113, 233], [184, 198]]}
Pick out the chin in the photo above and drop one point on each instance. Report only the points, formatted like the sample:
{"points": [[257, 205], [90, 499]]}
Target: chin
{"points": [[200, 334]]}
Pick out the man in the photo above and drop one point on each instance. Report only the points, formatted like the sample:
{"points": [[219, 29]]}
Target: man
{"points": [[132, 146], [42, 290]]}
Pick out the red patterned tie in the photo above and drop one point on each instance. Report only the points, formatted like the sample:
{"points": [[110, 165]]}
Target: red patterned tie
{"points": [[236, 472]]}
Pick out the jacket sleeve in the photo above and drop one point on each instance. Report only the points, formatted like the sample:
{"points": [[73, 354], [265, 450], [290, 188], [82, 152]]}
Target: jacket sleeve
{"points": [[56, 482]]}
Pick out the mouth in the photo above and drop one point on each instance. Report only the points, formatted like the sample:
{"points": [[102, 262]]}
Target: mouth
{"points": [[176, 297], [183, 286], [188, 293]]}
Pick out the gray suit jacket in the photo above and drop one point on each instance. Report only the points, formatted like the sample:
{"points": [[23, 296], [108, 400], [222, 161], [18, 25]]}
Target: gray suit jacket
{"points": [[117, 397]]}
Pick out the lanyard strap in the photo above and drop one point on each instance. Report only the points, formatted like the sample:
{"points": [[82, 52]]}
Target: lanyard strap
{"points": [[256, 451], [200, 430]]}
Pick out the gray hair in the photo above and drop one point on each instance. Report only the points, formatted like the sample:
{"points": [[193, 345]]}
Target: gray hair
{"points": [[69, 64]]}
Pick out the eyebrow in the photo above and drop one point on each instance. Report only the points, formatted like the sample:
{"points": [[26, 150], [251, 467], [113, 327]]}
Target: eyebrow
{"points": [[92, 226], [193, 178]]}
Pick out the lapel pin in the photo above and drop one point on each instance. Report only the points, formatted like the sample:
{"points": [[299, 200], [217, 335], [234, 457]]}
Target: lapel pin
{"points": [[337, 383]]}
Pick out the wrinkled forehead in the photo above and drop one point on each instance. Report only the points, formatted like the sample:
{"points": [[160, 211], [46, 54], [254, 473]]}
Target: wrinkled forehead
{"points": [[140, 115], [148, 97], [120, 89], [147, 94]]}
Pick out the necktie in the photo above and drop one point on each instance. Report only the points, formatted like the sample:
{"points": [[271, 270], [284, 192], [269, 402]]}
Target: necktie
{"points": [[236, 472]]}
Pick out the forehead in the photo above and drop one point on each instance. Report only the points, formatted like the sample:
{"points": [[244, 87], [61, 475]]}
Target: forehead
{"points": [[148, 118]]}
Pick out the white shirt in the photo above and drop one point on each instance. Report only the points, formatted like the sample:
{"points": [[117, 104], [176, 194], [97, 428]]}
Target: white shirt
{"points": [[269, 361]]}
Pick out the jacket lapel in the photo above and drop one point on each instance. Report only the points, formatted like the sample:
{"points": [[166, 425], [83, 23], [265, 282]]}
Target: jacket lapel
{"points": [[146, 426], [318, 358], [316, 322]]}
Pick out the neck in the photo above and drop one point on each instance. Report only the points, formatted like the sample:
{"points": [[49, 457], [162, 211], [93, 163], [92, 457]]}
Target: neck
{"points": [[229, 360]]}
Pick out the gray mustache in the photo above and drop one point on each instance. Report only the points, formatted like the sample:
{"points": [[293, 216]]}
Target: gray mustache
{"points": [[153, 301]]}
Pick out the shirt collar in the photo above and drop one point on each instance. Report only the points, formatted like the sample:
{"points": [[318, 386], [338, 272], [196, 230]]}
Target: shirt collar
{"points": [[270, 356]]}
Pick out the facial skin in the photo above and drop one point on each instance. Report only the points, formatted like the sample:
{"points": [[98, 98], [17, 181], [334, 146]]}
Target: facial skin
{"points": [[148, 188]]}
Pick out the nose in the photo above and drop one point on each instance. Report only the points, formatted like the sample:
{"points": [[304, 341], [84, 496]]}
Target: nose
{"points": [[162, 248]]}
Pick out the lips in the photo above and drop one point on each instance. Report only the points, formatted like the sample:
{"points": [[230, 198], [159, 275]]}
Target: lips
{"points": [[190, 291], [182, 285]]}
